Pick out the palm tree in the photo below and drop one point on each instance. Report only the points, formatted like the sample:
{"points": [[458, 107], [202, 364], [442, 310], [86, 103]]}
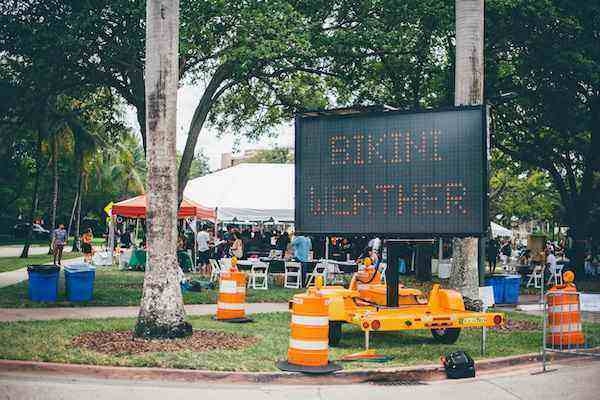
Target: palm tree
{"points": [[161, 311], [54, 155], [42, 127], [128, 164], [86, 143], [55, 143], [468, 91]]}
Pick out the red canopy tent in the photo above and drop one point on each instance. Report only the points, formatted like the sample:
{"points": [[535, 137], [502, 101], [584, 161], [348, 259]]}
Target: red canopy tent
{"points": [[136, 208]]}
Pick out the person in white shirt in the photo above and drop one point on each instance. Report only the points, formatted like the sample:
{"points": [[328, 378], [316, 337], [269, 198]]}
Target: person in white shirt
{"points": [[375, 244], [551, 262], [202, 241]]}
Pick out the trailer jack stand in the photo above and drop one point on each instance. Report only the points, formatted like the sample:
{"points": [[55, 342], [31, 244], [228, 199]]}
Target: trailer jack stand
{"points": [[367, 355]]}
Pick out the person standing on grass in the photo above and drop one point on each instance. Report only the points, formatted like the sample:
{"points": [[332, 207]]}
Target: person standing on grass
{"points": [[492, 249], [282, 243], [202, 241], [302, 247], [237, 248], [505, 252], [86, 245], [59, 239]]}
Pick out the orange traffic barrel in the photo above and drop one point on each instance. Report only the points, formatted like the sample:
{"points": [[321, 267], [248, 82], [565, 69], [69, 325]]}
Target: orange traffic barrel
{"points": [[309, 334], [564, 315], [231, 304]]}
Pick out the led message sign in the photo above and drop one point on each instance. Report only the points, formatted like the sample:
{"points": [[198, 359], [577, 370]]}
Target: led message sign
{"points": [[403, 174]]}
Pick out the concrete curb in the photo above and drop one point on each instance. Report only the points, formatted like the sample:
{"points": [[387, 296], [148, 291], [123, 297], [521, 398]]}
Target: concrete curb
{"points": [[418, 373]]}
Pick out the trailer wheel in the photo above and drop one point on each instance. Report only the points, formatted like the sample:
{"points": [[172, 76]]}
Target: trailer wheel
{"points": [[446, 335], [335, 333]]}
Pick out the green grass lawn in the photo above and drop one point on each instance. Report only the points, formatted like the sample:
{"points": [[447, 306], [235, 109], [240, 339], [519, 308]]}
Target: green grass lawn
{"points": [[14, 263], [114, 287], [51, 341]]}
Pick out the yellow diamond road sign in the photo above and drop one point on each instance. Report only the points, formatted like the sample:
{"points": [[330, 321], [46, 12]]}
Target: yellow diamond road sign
{"points": [[108, 208]]}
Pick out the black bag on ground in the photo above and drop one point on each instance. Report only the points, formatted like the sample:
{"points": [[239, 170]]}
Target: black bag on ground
{"points": [[459, 364]]}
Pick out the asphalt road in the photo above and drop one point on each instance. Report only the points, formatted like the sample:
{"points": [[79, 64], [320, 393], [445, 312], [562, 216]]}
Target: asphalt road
{"points": [[565, 382]]}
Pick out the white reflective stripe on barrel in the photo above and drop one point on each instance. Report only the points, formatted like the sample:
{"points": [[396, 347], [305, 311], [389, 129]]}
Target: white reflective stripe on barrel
{"points": [[308, 345], [230, 306], [362, 286], [229, 287], [241, 289], [565, 328], [564, 308], [310, 321]]}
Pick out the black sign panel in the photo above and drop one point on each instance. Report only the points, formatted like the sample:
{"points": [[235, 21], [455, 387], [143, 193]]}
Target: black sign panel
{"points": [[402, 174]]}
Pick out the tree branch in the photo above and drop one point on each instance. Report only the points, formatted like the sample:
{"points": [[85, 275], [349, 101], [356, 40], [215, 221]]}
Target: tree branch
{"points": [[222, 73]]}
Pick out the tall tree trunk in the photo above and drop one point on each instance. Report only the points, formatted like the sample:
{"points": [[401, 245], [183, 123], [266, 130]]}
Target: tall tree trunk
{"points": [[34, 195], [75, 200], [161, 312], [468, 91], [54, 186], [76, 247]]}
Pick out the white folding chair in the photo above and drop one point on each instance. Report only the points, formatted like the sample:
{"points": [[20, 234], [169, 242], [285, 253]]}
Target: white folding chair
{"points": [[382, 268], [535, 278], [293, 275], [215, 270], [101, 258], [259, 275], [124, 257], [334, 275], [320, 269], [556, 275], [225, 264]]}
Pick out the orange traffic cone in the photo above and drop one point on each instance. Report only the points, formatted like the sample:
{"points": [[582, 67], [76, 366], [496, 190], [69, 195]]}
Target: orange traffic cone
{"points": [[308, 351], [564, 314], [231, 304]]}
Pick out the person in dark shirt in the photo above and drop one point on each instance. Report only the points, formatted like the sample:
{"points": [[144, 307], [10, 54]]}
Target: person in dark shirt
{"points": [[282, 243], [126, 239], [491, 251]]}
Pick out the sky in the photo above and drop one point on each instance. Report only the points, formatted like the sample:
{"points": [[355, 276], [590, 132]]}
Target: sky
{"points": [[187, 99]]}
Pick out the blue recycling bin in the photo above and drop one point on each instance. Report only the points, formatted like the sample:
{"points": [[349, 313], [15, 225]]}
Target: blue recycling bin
{"points": [[43, 282], [497, 284], [79, 281], [512, 289], [506, 288]]}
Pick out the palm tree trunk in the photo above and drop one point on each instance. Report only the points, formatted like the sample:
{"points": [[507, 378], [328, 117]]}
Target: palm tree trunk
{"points": [[54, 186], [34, 196], [468, 80], [161, 311], [75, 200], [76, 247]]}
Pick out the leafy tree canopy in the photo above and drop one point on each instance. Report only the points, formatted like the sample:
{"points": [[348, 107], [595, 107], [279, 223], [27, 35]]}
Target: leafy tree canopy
{"points": [[277, 155]]}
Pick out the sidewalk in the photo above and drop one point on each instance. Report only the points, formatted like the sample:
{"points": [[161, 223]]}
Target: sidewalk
{"points": [[13, 250], [46, 314], [20, 275]]}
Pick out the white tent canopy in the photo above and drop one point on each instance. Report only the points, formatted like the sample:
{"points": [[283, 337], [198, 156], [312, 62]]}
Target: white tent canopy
{"points": [[247, 192], [500, 231]]}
